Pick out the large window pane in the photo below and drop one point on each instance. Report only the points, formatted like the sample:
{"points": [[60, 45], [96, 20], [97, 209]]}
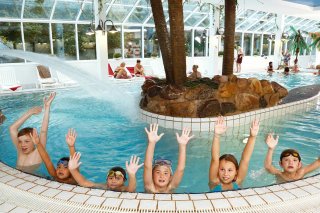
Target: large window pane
{"points": [[257, 44], [188, 44], [66, 10], [151, 43], [36, 37], [64, 44], [38, 9], [114, 43], [199, 42], [265, 45], [237, 40], [132, 42], [10, 8], [247, 43], [10, 35], [87, 43]]}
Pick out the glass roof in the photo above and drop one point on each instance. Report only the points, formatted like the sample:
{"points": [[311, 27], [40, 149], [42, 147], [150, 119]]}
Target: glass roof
{"points": [[138, 12]]}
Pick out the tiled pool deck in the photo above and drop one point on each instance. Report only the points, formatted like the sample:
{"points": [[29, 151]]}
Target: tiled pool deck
{"points": [[21, 192]]}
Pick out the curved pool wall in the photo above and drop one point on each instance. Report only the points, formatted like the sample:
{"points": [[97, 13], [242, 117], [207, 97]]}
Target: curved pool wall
{"points": [[21, 192], [207, 124]]}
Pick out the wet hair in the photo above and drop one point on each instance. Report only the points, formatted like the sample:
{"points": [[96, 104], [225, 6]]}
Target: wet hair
{"points": [[138, 61], [270, 63], [64, 159], [25, 131], [230, 158], [286, 69], [120, 169], [288, 152]]}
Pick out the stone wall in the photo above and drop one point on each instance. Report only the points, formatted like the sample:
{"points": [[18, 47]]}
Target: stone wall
{"points": [[221, 95]]}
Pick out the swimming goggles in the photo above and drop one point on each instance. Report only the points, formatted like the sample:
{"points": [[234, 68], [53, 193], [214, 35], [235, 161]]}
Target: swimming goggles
{"points": [[289, 152], [112, 173], [63, 162], [162, 162]]}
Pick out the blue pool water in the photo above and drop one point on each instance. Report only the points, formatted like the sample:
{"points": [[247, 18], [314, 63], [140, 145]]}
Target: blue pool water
{"points": [[107, 138]]}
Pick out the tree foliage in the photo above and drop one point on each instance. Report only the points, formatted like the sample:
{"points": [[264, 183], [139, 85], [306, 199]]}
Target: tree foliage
{"points": [[298, 43]]}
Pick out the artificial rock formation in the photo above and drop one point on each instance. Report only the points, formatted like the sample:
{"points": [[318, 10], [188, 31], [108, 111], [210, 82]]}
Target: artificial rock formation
{"points": [[221, 95]]}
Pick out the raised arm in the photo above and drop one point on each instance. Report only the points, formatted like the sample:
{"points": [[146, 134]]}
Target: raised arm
{"points": [[272, 143], [219, 128], [45, 122], [70, 140], [73, 167], [132, 169], [247, 152], [43, 153], [182, 141], [153, 138], [13, 129], [309, 168]]}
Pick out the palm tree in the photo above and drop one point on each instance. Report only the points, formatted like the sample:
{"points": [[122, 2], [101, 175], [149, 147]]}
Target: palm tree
{"points": [[173, 58], [229, 26], [298, 43], [316, 40]]}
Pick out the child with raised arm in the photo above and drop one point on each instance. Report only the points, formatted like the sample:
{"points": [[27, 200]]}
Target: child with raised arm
{"points": [[116, 176], [290, 162], [28, 159], [225, 173], [159, 178], [61, 173]]}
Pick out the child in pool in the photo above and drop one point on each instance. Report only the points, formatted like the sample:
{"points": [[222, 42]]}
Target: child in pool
{"points": [[29, 159], [290, 162], [225, 173], [61, 173], [159, 178], [116, 176]]}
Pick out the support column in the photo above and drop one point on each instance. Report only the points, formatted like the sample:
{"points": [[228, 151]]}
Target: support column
{"points": [[101, 41], [277, 44]]}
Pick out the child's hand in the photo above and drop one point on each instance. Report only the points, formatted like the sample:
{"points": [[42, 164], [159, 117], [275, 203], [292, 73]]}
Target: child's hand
{"points": [[153, 136], [133, 167], [47, 101], [35, 110], [254, 129], [34, 137], [220, 126], [271, 141], [74, 161], [71, 137], [184, 138]]}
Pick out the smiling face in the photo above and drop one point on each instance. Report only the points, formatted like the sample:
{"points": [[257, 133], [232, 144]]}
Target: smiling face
{"points": [[62, 171], [25, 144], [161, 175], [227, 171], [290, 164]]}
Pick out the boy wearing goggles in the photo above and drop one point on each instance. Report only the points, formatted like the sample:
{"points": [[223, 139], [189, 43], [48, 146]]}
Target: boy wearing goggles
{"points": [[159, 178], [29, 159], [225, 173], [290, 161], [61, 173], [116, 176]]}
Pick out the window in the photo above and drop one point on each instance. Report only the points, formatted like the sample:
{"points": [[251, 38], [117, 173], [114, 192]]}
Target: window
{"points": [[247, 43], [256, 44], [87, 43], [151, 43], [36, 37], [188, 44], [200, 38], [265, 45], [64, 44], [114, 44], [132, 42]]}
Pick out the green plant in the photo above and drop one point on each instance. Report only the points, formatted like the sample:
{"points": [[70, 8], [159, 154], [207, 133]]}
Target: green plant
{"points": [[117, 55], [154, 54], [220, 53], [316, 41], [298, 43]]}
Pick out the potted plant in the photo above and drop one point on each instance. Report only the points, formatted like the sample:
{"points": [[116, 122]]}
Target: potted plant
{"points": [[117, 55], [154, 55], [220, 53]]}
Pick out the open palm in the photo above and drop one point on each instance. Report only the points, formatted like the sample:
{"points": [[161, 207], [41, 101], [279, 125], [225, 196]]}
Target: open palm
{"points": [[271, 141], [133, 167], [254, 129], [220, 126], [71, 137], [153, 136], [47, 101], [74, 161], [34, 137], [184, 138]]}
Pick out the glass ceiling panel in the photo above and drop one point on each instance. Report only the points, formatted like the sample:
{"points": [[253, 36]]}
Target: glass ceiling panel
{"points": [[86, 14], [38, 9], [150, 21], [66, 10], [139, 15], [117, 13], [204, 8], [10, 8], [189, 6], [205, 23], [258, 15], [126, 2], [194, 19]]}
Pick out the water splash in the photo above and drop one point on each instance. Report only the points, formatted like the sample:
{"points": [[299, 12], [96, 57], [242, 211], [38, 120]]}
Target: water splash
{"points": [[121, 97]]}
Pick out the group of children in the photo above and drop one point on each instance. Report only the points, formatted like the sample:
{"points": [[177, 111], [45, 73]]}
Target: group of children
{"points": [[225, 172]]}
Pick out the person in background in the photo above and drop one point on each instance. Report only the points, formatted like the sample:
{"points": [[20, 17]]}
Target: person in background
{"points": [[138, 69], [2, 117], [295, 68], [286, 71], [239, 59], [270, 68], [121, 72], [195, 73]]}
